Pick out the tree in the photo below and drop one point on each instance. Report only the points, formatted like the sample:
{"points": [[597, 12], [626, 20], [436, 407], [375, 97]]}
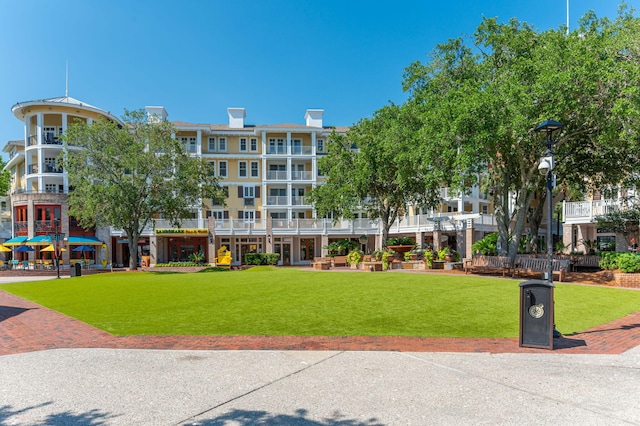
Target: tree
{"points": [[481, 102], [123, 176], [371, 168]]}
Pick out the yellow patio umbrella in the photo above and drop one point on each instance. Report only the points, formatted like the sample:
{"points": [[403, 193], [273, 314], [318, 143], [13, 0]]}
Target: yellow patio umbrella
{"points": [[4, 249], [50, 247]]}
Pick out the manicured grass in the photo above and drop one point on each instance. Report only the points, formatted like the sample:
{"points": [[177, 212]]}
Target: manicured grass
{"points": [[285, 301]]}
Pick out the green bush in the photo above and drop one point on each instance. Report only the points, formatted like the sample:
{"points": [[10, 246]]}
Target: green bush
{"points": [[176, 264], [487, 246], [629, 262], [609, 260], [400, 241], [261, 258]]}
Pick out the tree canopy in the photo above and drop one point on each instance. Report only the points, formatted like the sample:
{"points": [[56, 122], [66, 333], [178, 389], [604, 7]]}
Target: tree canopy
{"points": [[123, 176], [371, 169], [481, 99]]}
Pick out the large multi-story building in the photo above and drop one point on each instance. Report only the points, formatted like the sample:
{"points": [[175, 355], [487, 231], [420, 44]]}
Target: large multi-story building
{"points": [[267, 170]]}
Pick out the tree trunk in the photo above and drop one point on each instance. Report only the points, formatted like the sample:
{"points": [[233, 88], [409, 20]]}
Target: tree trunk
{"points": [[133, 238]]}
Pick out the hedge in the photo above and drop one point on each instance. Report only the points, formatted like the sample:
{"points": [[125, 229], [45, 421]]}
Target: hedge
{"points": [[261, 258]]}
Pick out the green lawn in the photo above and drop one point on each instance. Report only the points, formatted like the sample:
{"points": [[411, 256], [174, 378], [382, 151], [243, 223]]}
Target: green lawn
{"points": [[285, 301]]}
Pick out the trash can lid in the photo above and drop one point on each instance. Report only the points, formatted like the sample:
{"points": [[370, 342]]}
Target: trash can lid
{"points": [[536, 283]]}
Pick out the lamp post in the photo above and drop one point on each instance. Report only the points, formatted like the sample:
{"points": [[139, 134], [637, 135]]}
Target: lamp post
{"points": [[56, 236], [546, 168]]}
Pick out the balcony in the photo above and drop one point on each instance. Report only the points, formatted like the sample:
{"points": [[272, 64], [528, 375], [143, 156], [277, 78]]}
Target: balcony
{"points": [[301, 150], [299, 201], [278, 200], [299, 175], [51, 168], [279, 150], [32, 168], [277, 175], [577, 212]]}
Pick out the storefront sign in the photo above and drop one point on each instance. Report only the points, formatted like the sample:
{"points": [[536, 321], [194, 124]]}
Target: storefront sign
{"points": [[182, 232]]}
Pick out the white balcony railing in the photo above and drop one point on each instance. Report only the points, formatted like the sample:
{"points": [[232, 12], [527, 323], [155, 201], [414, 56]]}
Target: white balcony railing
{"points": [[588, 211], [301, 175], [277, 175], [299, 201], [277, 200], [301, 150]]}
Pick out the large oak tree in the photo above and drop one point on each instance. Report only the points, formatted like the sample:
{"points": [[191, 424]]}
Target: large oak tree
{"points": [[481, 98], [125, 175]]}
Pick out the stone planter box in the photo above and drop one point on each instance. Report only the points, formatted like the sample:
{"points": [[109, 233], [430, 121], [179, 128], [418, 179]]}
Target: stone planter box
{"points": [[321, 266], [372, 266]]}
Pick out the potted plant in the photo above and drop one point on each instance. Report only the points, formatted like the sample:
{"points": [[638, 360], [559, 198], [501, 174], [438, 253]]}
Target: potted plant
{"points": [[428, 258], [354, 257], [401, 244]]}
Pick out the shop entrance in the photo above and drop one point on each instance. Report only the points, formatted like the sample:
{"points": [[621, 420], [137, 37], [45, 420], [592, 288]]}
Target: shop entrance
{"points": [[284, 249], [307, 249]]}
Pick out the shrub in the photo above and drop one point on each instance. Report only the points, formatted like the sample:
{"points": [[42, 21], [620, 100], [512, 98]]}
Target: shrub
{"points": [[629, 262], [487, 246], [261, 258], [609, 260], [400, 241]]}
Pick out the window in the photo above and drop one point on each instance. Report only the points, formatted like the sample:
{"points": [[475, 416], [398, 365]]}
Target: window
{"points": [[248, 192], [212, 168], [222, 144], [189, 143], [242, 169], [484, 209], [222, 168], [243, 144], [255, 172], [297, 147], [254, 144], [320, 145], [247, 215], [277, 146], [217, 214], [212, 144]]}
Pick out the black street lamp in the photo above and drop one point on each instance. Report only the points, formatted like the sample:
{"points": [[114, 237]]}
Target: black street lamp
{"points": [[56, 236], [546, 168]]}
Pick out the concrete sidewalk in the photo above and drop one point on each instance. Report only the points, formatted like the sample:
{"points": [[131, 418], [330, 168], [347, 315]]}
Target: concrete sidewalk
{"points": [[152, 387]]}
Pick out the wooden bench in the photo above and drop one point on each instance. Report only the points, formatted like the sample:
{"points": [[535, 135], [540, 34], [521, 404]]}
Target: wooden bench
{"points": [[338, 261], [488, 264], [540, 264]]}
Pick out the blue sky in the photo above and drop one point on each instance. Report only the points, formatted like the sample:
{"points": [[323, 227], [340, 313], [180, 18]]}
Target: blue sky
{"points": [[275, 58]]}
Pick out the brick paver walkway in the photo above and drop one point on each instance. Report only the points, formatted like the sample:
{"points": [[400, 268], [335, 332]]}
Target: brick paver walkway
{"points": [[26, 327]]}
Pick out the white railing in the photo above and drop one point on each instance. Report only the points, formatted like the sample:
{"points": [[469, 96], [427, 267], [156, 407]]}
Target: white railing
{"points": [[300, 175], [422, 223], [277, 200], [299, 201], [301, 150], [277, 175], [588, 211]]}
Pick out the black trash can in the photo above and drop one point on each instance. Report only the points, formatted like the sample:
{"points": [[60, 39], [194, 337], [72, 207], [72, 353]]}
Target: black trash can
{"points": [[536, 314], [76, 270]]}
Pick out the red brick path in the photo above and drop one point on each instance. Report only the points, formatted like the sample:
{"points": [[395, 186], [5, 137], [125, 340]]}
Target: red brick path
{"points": [[26, 327]]}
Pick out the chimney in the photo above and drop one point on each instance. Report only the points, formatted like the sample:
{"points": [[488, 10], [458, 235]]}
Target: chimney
{"points": [[313, 117], [236, 117], [156, 114]]}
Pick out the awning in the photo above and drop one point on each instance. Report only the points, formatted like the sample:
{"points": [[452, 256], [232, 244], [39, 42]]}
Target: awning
{"points": [[39, 240], [16, 241], [90, 241]]}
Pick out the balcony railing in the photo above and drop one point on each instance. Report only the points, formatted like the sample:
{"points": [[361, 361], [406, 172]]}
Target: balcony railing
{"points": [[32, 168], [277, 200], [276, 150], [301, 150], [588, 211], [299, 201], [300, 175], [277, 175]]}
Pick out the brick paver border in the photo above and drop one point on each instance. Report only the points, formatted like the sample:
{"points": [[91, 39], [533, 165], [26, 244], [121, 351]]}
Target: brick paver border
{"points": [[26, 326]]}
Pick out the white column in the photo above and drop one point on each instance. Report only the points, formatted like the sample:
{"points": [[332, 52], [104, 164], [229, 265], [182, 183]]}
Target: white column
{"points": [[288, 143], [199, 143]]}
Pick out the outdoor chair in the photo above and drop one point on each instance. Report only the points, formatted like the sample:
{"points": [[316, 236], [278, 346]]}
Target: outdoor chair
{"points": [[15, 263], [25, 264]]}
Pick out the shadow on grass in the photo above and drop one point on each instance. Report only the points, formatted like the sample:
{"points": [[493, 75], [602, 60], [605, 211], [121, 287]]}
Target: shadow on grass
{"points": [[246, 417], [9, 415], [7, 312]]}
